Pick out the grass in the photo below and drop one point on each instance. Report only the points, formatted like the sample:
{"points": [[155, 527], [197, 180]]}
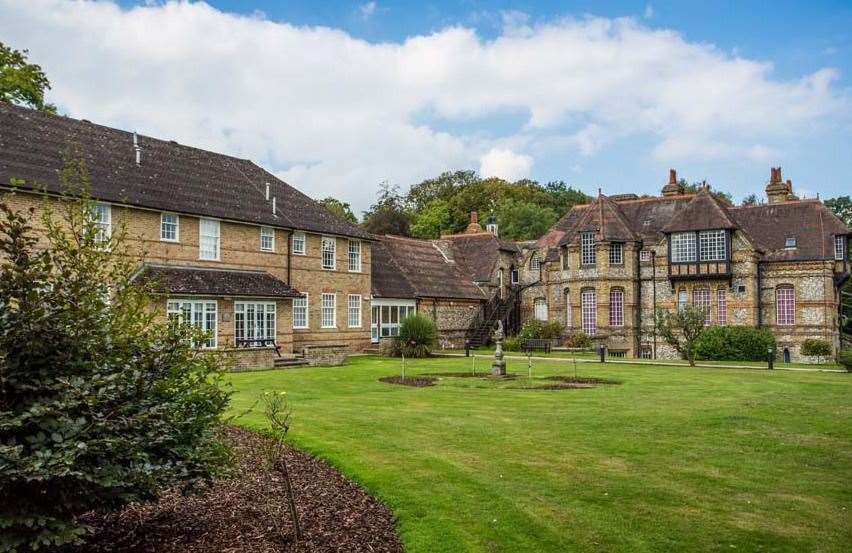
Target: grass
{"points": [[671, 459]]}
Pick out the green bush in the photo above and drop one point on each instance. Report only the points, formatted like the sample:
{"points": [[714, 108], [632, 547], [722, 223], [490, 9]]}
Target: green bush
{"points": [[844, 357], [734, 343], [540, 330], [512, 343], [816, 347], [102, 402], [417, 336], [578, 340]]}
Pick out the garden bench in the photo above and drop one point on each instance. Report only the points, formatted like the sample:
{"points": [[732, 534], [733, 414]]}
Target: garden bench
{"points": [[263, 343], [536, 345]]}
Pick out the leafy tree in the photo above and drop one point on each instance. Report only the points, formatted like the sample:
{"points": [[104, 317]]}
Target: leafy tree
{"points": [[521, 220], [752, 199], [696, 186], [681, 329], [341, 209], [22, 83], [842, 207], [816, 347], [388, 215], [102, 402], [564, 197], [443, 187], [431, 220]]}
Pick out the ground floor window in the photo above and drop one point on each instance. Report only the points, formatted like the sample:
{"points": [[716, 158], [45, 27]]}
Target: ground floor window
{"points": [[701, 300], [589, 311], [616, 307], [254, 322], [328, 317], [540, 309], [354, 311], [721, 306], [387, 318], [300, 312], [199, 313]]}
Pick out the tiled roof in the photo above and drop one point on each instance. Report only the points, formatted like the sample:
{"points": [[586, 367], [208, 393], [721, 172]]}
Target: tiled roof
{"points": [[170, 177], [813, 224], [197, 281], [479, 252], [427, 270], [387, 278]]}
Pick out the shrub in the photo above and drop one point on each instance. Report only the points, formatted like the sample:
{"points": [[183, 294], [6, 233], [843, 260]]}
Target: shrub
{"points": [[844, 357], [101, 402], [417, 336], [816, 347], [578, 340], [734, 343], [540, 330], [681, 329], [512, 343]]}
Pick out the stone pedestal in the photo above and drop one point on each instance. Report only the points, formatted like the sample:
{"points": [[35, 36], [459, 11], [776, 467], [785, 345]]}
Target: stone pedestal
{"points": [[498, 366]]}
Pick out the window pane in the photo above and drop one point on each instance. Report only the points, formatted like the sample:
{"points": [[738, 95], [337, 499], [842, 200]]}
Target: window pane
{"points": [[701, 300], [683, 247], [354, 256], [721, 307], [839, 248], [329, 246], [298, 242], [208, 239], [589, 312], [616, 307], [267, 239], [588, 253], [785, 306], [712, 246]]}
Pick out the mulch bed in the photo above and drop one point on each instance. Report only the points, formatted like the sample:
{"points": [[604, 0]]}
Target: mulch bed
{"points": [[415, 381], [483, 374], [582, 380], [240, 514], [568, 383]]}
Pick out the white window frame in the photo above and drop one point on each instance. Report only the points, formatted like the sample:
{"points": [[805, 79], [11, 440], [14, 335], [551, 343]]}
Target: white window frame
{"points": [[535, 263], [589, 311], [721, 307], [199, 312], [786, 316], [540, 310], [102, 217], [353, 311], [307, 312], [790, 243], [390, 315], [354, 256], [260, 319], [839, 248], [588, 249], [616, 307], [684, 247], [701, 299], [682, 299], [712, 245], [645, 255], [267, 234], [326, 240], [298, 239], [163, 224], [202, 235], [616, 253], [328, 313]]}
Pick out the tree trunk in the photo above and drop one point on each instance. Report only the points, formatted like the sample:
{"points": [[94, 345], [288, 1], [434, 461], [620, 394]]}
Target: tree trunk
{"points": [[291, 501]]}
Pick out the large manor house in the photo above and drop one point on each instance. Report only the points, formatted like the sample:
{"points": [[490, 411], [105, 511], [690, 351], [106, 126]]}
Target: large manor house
{"points": [[277, 279]]}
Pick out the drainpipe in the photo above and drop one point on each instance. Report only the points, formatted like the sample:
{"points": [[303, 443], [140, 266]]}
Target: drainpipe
{"points": [[638, 300], [289, 257], [654, 301], [759, 296]]}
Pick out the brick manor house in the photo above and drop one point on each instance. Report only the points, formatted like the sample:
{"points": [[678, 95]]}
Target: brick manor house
{"points": [[279, 280]]}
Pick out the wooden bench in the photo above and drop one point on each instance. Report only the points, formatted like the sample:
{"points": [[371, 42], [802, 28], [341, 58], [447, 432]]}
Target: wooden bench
{"points": [[536, 345], [265, 343]]}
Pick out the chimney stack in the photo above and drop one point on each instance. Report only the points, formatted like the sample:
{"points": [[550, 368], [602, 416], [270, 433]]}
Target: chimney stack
{"points": [[672, 188], [473, 227], [777, 190]]}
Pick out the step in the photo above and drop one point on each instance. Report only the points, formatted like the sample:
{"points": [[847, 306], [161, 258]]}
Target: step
{"points": [[285, 363]]}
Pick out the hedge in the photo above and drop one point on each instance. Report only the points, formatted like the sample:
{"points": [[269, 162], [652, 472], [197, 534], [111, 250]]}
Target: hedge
{"points": [[734, 343]]}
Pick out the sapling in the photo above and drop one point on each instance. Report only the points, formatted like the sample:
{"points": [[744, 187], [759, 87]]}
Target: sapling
{"points": [[278, 412]]}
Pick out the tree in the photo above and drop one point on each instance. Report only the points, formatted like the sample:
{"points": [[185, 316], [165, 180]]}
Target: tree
{"points": [[22, 83], [341, 209], [681, 328], [521, 220], [842, 207], [431, 220], [388, 215], [102, 402], [696, 186], [752, 199], [442, 187], [564, 197]]}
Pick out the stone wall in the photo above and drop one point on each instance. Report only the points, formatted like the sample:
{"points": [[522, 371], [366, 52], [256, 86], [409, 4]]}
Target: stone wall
{"points": [[251, 359], [452, 317], [326, 354]]}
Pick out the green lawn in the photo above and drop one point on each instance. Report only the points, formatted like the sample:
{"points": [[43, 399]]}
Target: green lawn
{"points": [[672, 459]]}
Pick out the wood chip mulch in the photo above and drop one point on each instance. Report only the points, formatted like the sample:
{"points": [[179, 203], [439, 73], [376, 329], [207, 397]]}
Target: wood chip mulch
{"points": [[415, 381], [240, 514]]}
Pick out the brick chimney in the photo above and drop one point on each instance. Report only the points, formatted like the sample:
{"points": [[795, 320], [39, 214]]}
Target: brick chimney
{"points": [[777, 190], [473, 227], [672, 188]]}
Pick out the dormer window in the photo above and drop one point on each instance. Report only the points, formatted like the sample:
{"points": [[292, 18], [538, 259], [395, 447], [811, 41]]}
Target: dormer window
{"points": [[790, 242], [839, 248], [588, 252]]}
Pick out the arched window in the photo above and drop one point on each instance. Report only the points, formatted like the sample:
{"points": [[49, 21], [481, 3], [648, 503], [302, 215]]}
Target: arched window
{"points": [[722, 306], [567, 295], [616, 307], [785, 306], [701, 300], [540, 307], [589, 311]]}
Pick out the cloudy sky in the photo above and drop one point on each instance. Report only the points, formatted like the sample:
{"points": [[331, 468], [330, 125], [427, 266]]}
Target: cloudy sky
{"points": [[335, 97]]}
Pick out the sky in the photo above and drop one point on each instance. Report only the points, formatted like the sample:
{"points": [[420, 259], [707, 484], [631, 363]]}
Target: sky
{"points": [[337, 97]]}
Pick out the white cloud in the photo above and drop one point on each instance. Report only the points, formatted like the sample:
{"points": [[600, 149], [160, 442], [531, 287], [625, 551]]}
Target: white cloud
{"points": [[506, 164], [367, 10], [649, 11], [336, 115]]}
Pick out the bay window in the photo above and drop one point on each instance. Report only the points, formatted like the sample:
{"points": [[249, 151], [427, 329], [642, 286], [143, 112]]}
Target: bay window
{"points": [[839, 248], [683, 247], [712, 245]]}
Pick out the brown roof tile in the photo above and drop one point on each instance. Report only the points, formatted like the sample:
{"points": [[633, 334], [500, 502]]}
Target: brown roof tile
{"points": [[702, 213], [197, 281], [480, 252]]}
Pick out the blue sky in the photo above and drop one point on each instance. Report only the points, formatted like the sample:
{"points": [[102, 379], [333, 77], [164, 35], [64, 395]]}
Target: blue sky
{"points": [[338, 96]]}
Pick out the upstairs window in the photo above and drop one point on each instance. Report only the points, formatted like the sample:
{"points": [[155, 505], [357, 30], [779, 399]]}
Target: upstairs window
{"points": [[839, 248], [354, 256], [208, 239], [298, 243], [588, 254], [785, 306], [701, 300], [329, 253], [616, 307], [102, 217], [169, 227], [513, 276], [616, 253], [267, 239], [535, 264], [683, 247], [712, 245], [790, 242], [645, 255]]}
